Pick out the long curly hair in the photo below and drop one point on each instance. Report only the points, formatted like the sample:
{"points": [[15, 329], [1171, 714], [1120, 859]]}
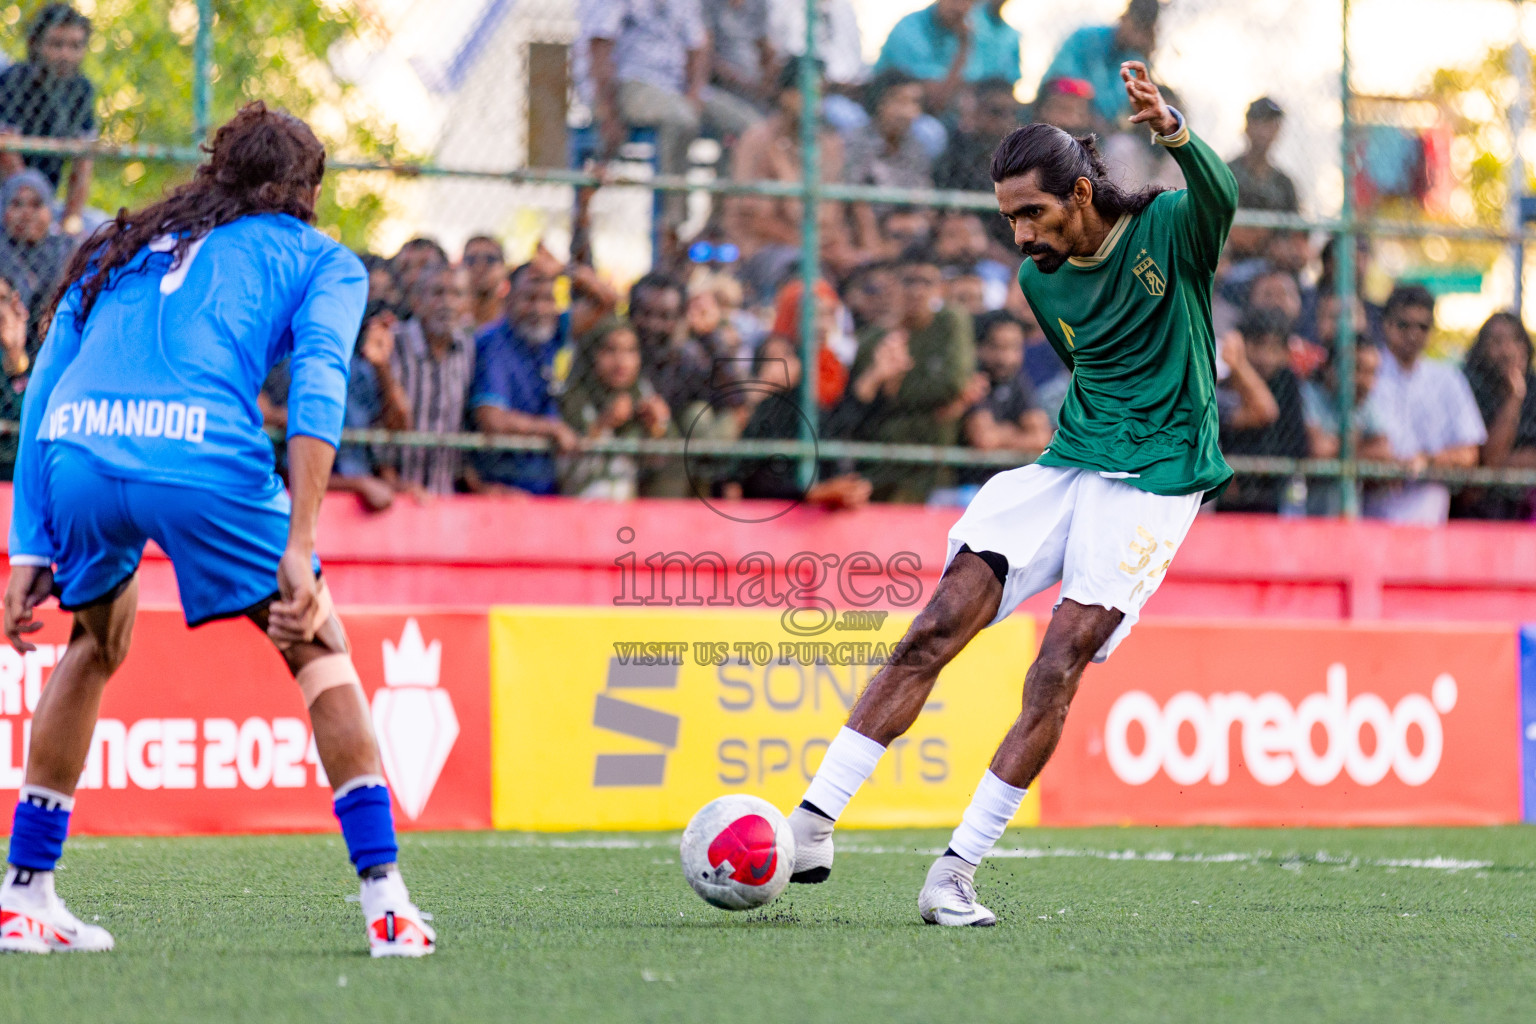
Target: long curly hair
{"points": [[1061, 159], [261, 161], [1478, 364]]}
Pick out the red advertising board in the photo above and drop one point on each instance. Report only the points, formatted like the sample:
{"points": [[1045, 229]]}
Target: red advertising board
{"points": [[1304, 724], [204, 731]]}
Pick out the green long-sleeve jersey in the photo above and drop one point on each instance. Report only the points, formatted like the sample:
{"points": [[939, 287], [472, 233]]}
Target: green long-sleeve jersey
{"points": [[1133, 323]]}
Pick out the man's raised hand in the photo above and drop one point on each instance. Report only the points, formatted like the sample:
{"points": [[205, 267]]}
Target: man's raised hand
{"points": [[1147, 106]]}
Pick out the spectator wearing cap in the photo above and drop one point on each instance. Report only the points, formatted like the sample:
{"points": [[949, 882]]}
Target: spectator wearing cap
{"points": [[885, 152], [1094, 54], [47, 96], [1427, 409], [922, 405], [486, 262], [1066, 103], [1260, 184], [949, 43], [770, 151], [521, 364]]}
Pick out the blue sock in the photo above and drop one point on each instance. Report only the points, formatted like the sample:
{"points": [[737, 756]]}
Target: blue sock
{"points": [[39, 829], [367, 824]]}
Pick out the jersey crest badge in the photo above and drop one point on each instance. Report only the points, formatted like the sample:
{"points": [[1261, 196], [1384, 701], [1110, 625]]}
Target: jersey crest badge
{"points": [[1150, 274]]}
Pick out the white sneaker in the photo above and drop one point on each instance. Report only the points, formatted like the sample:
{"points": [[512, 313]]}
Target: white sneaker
{"points": [[34, 920], [813, 846], [949, 896], [395, 926]]}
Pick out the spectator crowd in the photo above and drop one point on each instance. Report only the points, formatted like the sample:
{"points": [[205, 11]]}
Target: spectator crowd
{"points": [[921, 335]]}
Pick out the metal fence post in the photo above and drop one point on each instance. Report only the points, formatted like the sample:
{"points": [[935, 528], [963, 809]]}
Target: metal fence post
{"points": [[202, 60], [1519, 115], [810, 241], [1344, 287]]}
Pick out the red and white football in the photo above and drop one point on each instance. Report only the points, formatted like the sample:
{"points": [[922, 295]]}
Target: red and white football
{"points": [[738, 852]]}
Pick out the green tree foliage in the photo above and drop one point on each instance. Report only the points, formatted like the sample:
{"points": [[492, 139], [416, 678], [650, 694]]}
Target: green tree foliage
{"points": [[1476, 101], [141, 60]]}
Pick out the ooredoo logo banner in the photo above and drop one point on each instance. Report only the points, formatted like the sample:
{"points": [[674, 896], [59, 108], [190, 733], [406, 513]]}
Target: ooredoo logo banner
{"points": [[204, 731], [1305, 724]]}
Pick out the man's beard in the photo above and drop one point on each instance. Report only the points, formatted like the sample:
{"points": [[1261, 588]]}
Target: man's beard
{"points": [[1052, 259], [537, 331]]}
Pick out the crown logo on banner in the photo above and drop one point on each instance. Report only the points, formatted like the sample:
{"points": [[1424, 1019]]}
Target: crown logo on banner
{"points": [[413, 718], [412, 663]]}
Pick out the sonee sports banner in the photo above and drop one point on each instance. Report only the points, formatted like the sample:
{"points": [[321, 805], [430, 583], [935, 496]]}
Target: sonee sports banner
{"points": [[635, 719]]}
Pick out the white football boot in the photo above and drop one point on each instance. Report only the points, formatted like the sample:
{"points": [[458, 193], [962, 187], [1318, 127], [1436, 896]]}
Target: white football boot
{"points": [[34, 920], [395, 926], [949, 896], [813, 846]]}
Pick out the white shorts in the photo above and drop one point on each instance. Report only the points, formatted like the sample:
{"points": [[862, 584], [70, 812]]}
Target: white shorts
{"points": [[1106, 542]]}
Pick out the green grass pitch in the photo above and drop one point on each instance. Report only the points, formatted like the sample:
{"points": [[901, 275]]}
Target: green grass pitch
{"points": [[1118, 925]]}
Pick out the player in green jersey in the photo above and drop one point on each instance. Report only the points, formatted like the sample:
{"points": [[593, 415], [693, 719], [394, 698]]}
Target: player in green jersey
{"points": [[1121, 282]]}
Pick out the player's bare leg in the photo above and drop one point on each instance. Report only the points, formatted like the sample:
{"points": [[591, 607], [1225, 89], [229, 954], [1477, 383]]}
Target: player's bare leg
{"points": [[1075, 634], [965, 600], [349, 752], [32, 917], [66, 711]]}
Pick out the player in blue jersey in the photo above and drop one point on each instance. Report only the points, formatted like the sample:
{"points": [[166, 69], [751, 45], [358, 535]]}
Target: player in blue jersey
{"points": [[141, 423]]}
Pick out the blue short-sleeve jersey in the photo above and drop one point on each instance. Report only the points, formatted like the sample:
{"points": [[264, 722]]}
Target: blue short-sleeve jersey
{"points": [[160, 382]]}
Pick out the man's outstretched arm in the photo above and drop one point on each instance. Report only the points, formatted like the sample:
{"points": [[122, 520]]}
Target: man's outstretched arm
{"points": [[1204, 210]]}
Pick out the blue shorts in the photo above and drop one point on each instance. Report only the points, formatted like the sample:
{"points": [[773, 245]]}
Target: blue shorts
{"points": [[224, 546]]}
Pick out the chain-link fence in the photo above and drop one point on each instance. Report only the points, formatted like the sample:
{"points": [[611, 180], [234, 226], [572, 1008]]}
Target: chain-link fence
{"points": [[615, 230]]}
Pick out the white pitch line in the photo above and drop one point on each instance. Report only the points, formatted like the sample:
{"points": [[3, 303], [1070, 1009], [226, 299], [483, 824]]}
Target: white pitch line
{"points": [[1167, 856], [1436, 863]]}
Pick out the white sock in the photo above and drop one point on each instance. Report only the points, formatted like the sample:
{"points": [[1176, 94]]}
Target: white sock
{"points": [[35, 893], [992, 808], [48, 799], [387, 892], [851, 758]]}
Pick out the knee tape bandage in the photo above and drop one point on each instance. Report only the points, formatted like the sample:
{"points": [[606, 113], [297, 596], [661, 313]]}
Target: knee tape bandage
{"points": [[325, 673]]}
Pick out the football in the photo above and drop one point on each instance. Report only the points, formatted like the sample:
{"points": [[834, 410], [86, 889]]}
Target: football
{"points": [[738, 852]]}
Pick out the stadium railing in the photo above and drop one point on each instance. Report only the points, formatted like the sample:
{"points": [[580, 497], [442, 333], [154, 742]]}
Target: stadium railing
{"points": [[1348, 226]]}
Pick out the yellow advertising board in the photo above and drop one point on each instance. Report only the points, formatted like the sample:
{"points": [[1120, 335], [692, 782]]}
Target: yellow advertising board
{"points": [[612, 718]]}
